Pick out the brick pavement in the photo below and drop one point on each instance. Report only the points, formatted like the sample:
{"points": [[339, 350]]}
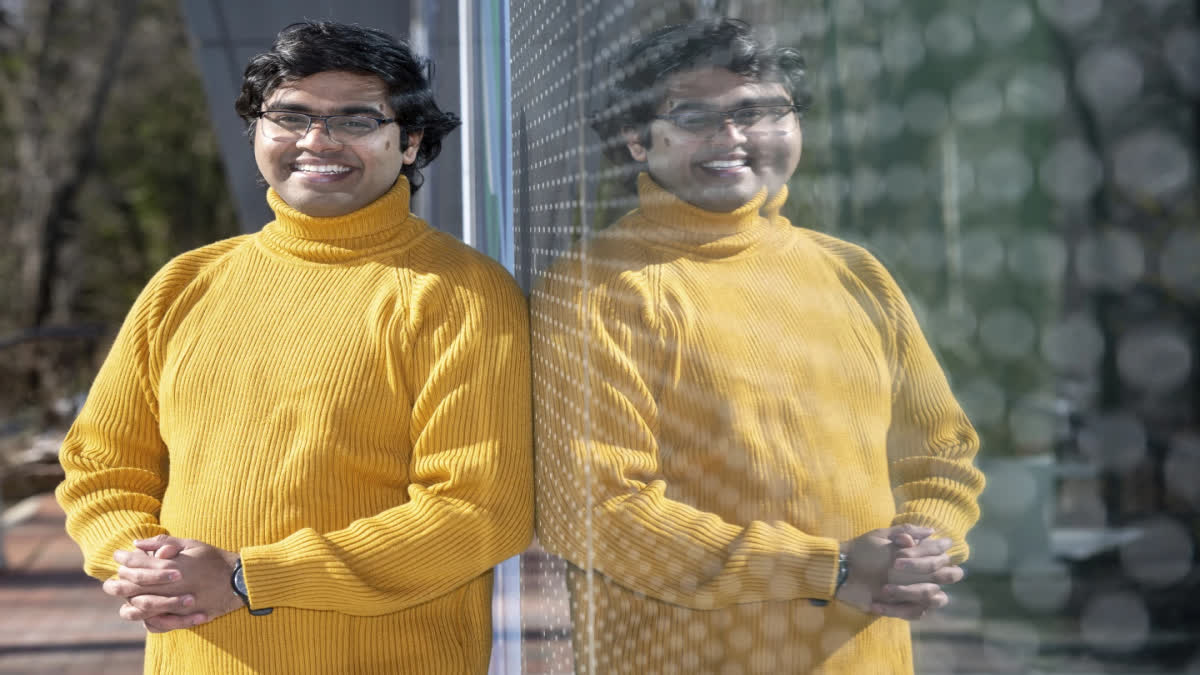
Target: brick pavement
{"points": [[53, 618]]}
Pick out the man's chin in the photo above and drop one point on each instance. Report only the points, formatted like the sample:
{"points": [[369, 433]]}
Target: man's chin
{"points": [[723, 201], [322, 205]]}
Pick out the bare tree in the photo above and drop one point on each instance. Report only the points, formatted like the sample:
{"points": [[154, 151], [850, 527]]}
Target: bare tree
{"points": [[59, 72]]}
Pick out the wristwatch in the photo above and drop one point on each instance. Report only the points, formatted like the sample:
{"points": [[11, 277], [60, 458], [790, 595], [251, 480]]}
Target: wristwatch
{"points": [[239, 586], [843, 572]]}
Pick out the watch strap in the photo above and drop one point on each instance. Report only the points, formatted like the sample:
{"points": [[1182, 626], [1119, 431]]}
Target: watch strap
{"points": [[843, 572], [238, 581]]}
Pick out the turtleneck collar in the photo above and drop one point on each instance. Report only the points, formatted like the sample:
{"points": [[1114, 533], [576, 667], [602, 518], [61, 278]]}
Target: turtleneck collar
{"points": [[711, 233], [771, 210], [377, 226]]}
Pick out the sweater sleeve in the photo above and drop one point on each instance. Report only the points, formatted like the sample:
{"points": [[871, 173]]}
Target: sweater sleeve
{"points": [[470, 495], [603, 502], [931, 443], [113, 456]]}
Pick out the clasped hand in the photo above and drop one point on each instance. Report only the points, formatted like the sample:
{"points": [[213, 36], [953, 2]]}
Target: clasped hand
{"points": [[898, 572], [170, 583]]}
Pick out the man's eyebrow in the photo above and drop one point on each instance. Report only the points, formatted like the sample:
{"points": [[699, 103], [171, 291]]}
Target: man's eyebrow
{"points": [[346, 110], [765, 100], [700, 104]]}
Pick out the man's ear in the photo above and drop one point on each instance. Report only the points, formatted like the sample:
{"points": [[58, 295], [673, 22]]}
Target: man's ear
{"points": [[633, 141], [414, 145]]}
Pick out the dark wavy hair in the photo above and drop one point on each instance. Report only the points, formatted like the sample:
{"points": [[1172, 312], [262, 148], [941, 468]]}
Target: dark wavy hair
{"points": [[310, 47], [635, 87]]}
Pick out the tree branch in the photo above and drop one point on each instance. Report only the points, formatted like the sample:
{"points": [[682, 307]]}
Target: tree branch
{"points": [[85, 139]]}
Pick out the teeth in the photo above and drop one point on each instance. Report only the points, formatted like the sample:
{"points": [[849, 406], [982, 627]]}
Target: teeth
{"points": [[322, 168], [724, 164]]}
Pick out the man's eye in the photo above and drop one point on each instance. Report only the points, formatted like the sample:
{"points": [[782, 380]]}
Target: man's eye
{"points": [[354, 125], [694, 121], [778, 111], [747, 117], [290, 120]]}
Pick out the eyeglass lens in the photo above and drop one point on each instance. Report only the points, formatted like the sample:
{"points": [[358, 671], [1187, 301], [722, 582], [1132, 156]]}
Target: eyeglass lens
{"points": [[758, 118], [341, 128]]}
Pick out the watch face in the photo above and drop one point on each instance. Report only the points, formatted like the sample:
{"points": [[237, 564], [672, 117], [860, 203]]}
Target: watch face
{"points": [[239, 587]]}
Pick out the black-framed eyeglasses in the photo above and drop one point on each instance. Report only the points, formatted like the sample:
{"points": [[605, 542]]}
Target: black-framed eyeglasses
{"points": [[753, 119], [283, 125]]}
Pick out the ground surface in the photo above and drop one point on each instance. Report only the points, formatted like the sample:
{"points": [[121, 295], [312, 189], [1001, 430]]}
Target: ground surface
{"points": [[54, 619]]}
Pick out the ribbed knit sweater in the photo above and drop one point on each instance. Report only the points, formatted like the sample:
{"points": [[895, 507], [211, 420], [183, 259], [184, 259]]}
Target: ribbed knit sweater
{"points": [[720, 399], [346, 402]]}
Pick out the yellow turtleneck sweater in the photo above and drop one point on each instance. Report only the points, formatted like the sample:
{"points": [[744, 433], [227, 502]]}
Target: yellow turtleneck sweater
{"points": [[719, 400], [346, 402]]}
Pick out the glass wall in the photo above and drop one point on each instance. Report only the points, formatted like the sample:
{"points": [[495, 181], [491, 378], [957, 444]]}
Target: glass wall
{"points": [[716, 401]]}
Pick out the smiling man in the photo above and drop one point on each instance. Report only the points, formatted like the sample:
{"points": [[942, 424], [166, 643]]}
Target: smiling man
{"points": [[746, 449], [309, 446]]}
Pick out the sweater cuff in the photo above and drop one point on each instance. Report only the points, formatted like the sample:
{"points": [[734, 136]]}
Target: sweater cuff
{"points": [[102, 566], [277, 572], [813, 569]]}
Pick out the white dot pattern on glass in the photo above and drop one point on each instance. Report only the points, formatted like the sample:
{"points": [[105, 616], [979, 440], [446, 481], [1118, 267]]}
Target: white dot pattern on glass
{"points": [[1024, 171]]}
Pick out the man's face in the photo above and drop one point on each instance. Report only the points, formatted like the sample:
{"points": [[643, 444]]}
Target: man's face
{"points": [[317, 175], [722, 170]]}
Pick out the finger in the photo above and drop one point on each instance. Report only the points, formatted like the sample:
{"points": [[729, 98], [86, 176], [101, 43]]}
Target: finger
{"points": [[927, 547], [124, 589], [137, 558], [169, 622], [129, 612], [167, 551], [926, 565], [155, 605], [127, 557], [950, 574], [906, 578], [157, 542], [903, 540], [148, 577], [929, 596], [154, 543], [135, 554], [908, 612], [944, 576], [151, 544], [915, 531]]}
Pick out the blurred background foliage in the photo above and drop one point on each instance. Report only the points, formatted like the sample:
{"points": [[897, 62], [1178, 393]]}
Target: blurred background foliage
{"points": [[108, 167]]}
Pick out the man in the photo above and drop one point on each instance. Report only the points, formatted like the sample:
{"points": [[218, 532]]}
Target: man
{"points": [[745, 447], [309, 446]]}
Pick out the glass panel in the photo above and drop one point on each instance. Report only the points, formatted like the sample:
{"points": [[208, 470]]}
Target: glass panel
{"points": [[721, 401]]}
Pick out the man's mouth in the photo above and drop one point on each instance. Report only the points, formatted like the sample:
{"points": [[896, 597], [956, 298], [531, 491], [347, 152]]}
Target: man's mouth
{"points": [[719, 164], [726, 166], [321, 169]]}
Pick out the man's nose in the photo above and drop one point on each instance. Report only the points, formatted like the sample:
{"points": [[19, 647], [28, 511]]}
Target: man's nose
{"points": [[729, 133], [317, 137]]}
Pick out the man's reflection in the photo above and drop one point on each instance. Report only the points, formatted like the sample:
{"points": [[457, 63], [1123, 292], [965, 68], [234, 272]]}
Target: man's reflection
{"points": [[740, 426]]}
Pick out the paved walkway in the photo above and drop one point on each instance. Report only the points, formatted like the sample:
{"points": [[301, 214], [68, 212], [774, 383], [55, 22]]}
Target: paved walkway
{"points": [[55, 619]]}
